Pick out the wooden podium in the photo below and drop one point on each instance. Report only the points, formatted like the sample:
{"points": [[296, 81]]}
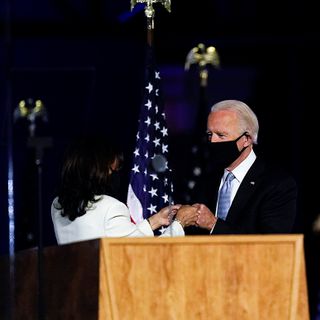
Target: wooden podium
{"points": [[195, 277], [215, 277]]}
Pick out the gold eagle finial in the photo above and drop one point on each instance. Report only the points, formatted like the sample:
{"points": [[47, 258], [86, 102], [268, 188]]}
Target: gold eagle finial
{"points": [[202, 56]]}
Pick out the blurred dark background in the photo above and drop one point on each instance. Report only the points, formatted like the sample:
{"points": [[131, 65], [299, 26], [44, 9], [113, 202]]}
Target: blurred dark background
{"points": [[85, 60]]}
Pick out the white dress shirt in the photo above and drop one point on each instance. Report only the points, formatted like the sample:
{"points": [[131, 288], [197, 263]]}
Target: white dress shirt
{"points": [[239, 173]]}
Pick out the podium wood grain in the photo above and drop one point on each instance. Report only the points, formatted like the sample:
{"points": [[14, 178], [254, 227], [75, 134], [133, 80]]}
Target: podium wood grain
{"points": [[199, 277]]}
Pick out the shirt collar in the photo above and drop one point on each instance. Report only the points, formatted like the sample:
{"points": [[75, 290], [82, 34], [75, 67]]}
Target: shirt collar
{"points": [[241, 170]]}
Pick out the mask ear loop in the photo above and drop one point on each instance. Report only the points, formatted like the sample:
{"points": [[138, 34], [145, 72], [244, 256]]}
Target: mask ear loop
{"points": [[246, 134]]}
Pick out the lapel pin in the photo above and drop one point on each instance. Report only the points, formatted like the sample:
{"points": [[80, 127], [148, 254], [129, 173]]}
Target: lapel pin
{"points": [[252, 183]]}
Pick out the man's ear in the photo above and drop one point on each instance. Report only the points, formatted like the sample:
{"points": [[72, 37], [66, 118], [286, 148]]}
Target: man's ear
{"points": [[248, 139]]}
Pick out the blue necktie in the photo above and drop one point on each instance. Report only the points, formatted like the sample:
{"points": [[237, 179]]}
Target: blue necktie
{"points": [[225, 197]]}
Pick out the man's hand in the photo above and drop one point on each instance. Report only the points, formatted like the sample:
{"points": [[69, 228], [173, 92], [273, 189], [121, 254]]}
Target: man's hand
{"points": [[187, 215], [206, 218]]}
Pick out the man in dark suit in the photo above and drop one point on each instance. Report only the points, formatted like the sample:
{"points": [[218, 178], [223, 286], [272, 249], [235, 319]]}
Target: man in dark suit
{"points": [[261, 199]]}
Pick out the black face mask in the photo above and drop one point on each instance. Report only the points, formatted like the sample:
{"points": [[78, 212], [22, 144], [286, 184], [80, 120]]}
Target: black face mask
{"points": [[222, 154]]}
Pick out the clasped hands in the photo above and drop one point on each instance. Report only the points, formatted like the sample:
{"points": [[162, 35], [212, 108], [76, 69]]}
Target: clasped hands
{"points": [[196, 215], [187, 215]]}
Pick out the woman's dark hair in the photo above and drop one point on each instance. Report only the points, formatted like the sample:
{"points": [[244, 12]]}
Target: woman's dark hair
{"points": [[85, 174]]}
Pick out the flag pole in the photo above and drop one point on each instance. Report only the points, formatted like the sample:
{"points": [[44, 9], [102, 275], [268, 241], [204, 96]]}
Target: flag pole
{"points": [[150, 188], [201, 57], [150, 13]]}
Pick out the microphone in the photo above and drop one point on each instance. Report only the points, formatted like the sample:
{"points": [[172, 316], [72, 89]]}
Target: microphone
{"points": [[159, 163]]}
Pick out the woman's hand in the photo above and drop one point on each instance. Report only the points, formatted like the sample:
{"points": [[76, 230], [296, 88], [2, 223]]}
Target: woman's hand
{"points": [[163, 217]]}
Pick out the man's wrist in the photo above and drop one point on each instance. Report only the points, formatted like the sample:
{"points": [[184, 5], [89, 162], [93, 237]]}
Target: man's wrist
{"points": [[213, 225]]}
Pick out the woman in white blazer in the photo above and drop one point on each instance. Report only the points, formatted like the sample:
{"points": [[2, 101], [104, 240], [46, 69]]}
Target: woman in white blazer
{"points": [[85, 206]]}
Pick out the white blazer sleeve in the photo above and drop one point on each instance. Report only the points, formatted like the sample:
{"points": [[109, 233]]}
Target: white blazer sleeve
{"points": [[117, 223], [174, 230]]}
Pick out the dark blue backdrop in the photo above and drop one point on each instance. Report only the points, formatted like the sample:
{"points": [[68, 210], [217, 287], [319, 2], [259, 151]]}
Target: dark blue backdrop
{"points": [[85, 60]]}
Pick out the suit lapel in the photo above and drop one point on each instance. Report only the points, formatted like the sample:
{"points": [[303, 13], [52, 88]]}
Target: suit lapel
{"points": [[248, 186]]}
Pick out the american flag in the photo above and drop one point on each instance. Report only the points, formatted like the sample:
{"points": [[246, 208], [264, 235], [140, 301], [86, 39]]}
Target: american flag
{"points": [[148, 190]]}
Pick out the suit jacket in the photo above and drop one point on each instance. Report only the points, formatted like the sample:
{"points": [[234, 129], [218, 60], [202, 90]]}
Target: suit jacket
{"points": [[264, 203]]}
